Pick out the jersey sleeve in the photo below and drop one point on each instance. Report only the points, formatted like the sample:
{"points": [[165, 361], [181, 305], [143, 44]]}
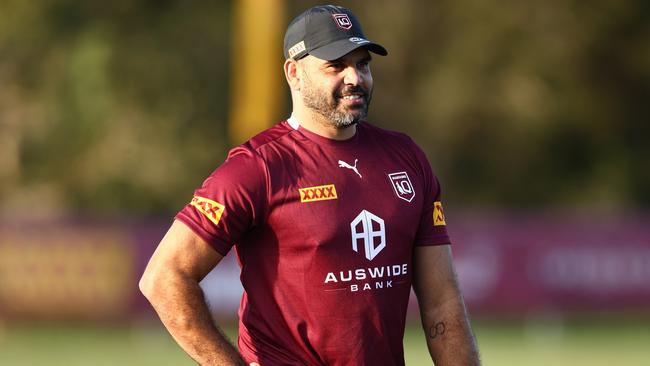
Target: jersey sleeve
{"points": [[432, 229], [231, 201]]}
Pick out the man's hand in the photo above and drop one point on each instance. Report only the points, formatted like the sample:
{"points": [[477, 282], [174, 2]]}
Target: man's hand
{"points": [[444, 318], [171, 284]]}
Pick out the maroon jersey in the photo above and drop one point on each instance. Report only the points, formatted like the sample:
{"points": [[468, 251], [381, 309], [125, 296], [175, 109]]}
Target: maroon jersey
{"points": [[324, 232]]}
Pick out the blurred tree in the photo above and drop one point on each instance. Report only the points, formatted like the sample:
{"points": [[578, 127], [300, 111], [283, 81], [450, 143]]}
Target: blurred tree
{"points": [[112, 107], [530, 105], [121, 105]]}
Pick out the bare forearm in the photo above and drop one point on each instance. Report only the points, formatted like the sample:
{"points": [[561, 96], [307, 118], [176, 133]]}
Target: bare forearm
{"points": [[449, 335], [184, 312]]}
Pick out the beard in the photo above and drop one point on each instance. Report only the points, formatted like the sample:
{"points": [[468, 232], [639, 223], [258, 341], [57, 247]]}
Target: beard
{"points": [[329, 105]]}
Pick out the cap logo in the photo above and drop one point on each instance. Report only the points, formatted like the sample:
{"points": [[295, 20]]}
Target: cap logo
{"points": [[358, 40], [342, 21], [296, 49]]}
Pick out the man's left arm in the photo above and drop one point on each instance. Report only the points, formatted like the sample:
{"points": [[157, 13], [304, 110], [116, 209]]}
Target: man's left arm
{"points": [[442, 309]]}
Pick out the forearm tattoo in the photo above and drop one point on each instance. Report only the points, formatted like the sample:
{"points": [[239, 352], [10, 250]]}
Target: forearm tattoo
{"points": [[437, 330]]}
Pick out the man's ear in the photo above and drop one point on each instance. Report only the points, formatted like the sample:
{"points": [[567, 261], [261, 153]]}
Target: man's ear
{"points": [[292, 73]]}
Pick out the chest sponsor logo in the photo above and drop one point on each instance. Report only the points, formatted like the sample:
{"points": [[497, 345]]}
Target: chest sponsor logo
{"points": [[438, 214], [369, 237], [402, 186], [318, 193], [209, 208], [369, 231]]}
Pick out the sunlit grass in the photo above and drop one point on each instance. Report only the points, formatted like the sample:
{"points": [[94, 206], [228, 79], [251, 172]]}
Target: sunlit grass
{"points": [[501, 345]]}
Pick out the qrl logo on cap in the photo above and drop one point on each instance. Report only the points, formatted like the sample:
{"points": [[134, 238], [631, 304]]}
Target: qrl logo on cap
{"points": [[342, 21]]}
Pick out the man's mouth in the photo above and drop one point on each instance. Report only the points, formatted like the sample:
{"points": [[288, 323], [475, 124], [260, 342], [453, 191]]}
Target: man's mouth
{"points": [[352, 98]]}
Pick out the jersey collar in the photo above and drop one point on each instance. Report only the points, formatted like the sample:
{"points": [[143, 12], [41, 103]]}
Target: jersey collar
{"points": [[293, 122]]}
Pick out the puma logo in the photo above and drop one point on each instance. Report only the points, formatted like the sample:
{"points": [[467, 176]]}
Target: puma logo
{"points": [[343, 164]]}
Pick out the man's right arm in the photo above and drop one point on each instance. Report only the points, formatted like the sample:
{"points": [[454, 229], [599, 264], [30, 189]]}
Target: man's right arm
{"points": [[171, 284]]}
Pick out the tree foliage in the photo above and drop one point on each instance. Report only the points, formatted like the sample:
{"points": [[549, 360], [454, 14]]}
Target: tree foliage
{"points": [[121, 106]]}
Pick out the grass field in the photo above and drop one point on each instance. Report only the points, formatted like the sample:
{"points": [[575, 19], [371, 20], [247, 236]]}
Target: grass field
{"points": [[502, 345]]}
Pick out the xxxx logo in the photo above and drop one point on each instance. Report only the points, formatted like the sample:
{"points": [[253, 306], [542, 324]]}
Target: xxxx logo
{"points": [[318, 193], [438, 214], [209, 208]]}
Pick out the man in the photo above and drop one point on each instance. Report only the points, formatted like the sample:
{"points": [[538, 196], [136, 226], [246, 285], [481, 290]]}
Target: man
{"points": [[333, 220]]}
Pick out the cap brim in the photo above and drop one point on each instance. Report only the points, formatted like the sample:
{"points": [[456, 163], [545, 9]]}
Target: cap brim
{"points": [[340, 48]]}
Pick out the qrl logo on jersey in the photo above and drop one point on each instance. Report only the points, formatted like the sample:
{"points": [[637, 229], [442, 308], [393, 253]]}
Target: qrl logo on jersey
{"points": [[209, 208], [342, 21], [402, 186], [368, 229]]}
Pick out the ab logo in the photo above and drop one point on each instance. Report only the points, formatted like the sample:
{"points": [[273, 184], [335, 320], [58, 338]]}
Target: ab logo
{"points": [[369, 230]]}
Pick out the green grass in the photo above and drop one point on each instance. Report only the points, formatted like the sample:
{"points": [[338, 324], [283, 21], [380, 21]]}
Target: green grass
{"points": [[502, 345]]}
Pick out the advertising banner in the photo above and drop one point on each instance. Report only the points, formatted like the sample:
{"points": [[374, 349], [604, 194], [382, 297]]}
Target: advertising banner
{"points": [[524, 263], [507, 264]]}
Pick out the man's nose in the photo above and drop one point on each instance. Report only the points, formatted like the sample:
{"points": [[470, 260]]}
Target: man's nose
{"points": [[352, 76]]}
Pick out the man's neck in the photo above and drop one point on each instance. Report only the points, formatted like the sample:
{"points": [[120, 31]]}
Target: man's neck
{"points": [[319, 125]]}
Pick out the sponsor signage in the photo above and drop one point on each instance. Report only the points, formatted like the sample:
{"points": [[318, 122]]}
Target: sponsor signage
{"points": [[519, 264], [66, 272], [506, 265]]}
